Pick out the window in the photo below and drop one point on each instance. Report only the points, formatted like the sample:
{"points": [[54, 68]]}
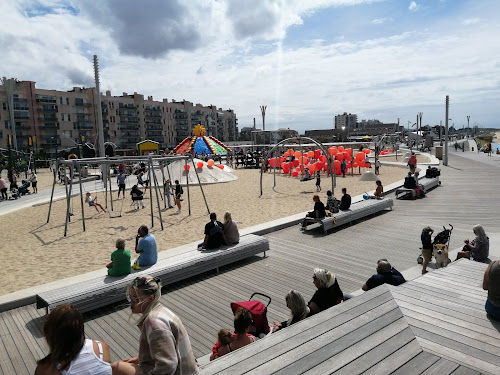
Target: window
{"points": [[7, 126], [60, 100], [67, 100], [4, 105], [68, 133]]}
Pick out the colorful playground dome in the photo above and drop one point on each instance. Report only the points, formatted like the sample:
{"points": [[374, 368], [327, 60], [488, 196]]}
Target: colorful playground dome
{"points": [[201, 144]]}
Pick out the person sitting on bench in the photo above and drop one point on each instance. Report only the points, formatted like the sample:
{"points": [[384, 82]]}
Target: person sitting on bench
{"points": [[345, 201], [318, 213], [93, 202]]}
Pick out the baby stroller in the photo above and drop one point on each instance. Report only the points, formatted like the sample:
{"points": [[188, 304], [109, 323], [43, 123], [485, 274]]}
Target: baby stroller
{"points": [[440, 246], [14, 191], [24, 188], [260, 326]]}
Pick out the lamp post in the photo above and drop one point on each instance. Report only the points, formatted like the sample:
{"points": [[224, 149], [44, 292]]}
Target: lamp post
{"points": [[468, 118], [419, 117]]}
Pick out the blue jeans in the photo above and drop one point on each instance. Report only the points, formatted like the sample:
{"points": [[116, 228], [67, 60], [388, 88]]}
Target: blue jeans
{"points": [[492, 310]]}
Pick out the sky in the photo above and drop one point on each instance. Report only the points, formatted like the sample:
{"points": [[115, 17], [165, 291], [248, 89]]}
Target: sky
{"points": [[307, 61]]}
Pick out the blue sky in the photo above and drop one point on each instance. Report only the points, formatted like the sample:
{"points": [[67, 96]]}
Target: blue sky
{"points": [[307, 61]]}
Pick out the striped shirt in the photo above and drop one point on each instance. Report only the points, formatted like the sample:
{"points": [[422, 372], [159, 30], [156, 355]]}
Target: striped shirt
{"points": [[86, 362]]}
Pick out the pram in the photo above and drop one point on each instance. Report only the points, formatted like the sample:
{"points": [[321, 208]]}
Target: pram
{"points": [[258, 310], [24, 188], [440, 246]]}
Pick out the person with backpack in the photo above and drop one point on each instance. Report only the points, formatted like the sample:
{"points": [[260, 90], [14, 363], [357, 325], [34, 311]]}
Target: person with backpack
{"points": [[178, 195]]}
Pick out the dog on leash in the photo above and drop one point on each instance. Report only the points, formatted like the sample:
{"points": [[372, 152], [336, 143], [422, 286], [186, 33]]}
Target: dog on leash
{"points": [[440, 253]]}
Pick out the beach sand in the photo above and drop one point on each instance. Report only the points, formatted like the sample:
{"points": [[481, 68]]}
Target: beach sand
{"points": [[34, 252]]}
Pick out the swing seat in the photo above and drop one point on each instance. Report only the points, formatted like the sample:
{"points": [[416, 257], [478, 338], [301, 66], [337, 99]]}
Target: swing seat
{"points": [[113, 214]]}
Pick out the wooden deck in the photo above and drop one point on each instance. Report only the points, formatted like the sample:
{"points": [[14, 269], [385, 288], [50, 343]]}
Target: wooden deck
{"points": [[421, 327], [466, 197]]}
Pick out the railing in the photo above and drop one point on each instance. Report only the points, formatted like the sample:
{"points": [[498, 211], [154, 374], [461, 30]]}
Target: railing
{"points": [[21, 116], [50, 125], [48, 118], [126, 126], [47, 109], [81, 104], [132, 106], [83, 125]]}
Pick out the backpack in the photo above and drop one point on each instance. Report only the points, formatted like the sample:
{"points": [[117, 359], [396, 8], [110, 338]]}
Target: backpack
{"points": [[432, 172]]}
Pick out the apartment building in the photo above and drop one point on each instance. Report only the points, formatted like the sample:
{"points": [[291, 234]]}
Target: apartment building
{"points": [[346, 121], [63, 119]]}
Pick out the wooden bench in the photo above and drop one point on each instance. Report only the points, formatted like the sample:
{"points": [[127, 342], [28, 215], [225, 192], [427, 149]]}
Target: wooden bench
{"points": [[357, 211], [92, 294], [426, 183]]}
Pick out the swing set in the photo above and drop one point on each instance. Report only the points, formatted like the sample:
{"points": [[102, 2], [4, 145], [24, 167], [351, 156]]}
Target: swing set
{"points": [[153, 162]]}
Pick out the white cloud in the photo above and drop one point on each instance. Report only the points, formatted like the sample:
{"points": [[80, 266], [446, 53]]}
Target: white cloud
{"points": [[413, 6], [470, 21], [235, 65], [380, 21]]}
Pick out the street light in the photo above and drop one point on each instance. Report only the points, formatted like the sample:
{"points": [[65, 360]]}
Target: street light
{"points": [[468, 118]]}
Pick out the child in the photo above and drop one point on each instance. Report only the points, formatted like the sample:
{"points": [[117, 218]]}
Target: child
{"points": [[93, 202], [225, 336]]}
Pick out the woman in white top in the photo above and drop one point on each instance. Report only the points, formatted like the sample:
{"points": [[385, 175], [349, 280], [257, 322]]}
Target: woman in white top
{"points": [[70, 353]]}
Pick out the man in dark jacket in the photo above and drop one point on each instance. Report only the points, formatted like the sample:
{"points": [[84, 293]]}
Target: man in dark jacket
{"points": [[386, 274], [345, 201], [213, 234]]}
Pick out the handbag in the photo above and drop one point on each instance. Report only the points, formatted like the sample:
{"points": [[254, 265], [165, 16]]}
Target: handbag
{"points": [[110, 264]]}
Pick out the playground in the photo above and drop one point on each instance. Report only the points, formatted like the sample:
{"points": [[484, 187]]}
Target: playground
{"points": [[36, 252]]}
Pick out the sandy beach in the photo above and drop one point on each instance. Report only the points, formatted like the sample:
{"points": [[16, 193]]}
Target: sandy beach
{"points": [[34, 252]]}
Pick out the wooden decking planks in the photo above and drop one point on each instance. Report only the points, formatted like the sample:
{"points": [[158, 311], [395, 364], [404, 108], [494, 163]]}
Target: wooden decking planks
{"points": [[446, 326]]}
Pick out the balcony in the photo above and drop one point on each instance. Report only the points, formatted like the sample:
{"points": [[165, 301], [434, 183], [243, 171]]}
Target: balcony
{"points": [[24, 127], [131, 106], [152, 114], [158, 121], [48, 118], [154, 127], [51, 143], [20, 100], [47, 109], [127, 127], [49, 136], [133, 120], [50, 125], [83, 125], [181, 117], [21, 115], [153, 133], [82, 104], [46, 99]]}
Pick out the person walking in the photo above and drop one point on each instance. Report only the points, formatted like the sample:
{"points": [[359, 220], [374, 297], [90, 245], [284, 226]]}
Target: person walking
{"points": [[167, 187], [318, 181], [120, 180], [343, 167], [34, 182]]}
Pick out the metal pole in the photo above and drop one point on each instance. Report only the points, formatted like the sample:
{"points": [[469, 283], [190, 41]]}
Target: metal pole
{"points": [[150, 163], [100, 126], [447, 104], [187, 186], [468, 118], [53, 187], [68, 201], [81, 193], [110, 191], [9, 85], [156, 192], [203, 193]]}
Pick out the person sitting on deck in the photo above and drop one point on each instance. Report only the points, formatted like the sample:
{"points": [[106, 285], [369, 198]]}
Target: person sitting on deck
{"points": [[214, 234], [70, 351], [242, 323], [307, 176], [120, 260], [479, 248], [328, 294], [386, 274], [491, 283], [318, 213], [298, 310], [93, 202]]}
